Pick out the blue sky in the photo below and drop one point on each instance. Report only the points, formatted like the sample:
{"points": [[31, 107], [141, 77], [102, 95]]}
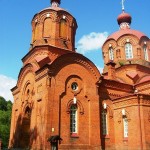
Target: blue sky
{"points": [[96, 20]]}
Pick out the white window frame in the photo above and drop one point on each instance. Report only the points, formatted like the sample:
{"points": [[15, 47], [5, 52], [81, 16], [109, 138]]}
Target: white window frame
{"points": [[104, 122], [73, 119], [125, 126], [145, 53], [111, 53], [128, 50]]}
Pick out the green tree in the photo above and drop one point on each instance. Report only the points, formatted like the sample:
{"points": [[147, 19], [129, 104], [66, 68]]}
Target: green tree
{"points": [[5, 118], [3, 104]]}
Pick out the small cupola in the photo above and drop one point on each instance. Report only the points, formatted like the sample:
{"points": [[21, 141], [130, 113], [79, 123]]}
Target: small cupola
{"points": [[124, 20]]}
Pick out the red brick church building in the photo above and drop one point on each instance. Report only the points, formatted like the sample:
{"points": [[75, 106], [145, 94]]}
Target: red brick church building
{"points": [[61, 101]]}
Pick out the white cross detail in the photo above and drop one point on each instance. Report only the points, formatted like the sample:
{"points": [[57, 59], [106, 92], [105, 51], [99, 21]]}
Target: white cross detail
{"points": [[123, 4]]}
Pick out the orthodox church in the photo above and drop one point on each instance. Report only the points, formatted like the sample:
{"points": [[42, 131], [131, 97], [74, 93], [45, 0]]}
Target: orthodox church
{"points": [[61, 101]]}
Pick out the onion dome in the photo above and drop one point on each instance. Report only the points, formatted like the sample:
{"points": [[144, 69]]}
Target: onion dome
{"points": [[124, 18], [124, 21]]}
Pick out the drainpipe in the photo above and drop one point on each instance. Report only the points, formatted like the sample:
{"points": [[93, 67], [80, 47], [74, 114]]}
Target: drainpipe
{"points": [[139, 112]]}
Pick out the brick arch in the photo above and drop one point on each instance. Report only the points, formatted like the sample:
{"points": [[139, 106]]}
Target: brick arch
{"points": [[43, 16], [70, 80], [27, 107], [76, 58], [25, 89], [72, 76], [60, 17], [132, 39], [27, 92], [79, 105], [120, 116], [143, 39], [24, 71], [106, 45]]}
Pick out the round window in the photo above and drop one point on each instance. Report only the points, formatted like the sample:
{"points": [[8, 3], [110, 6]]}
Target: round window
{"points": [[74, 86]]}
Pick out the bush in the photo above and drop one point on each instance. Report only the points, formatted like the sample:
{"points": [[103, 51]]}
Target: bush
{"points": [[5, 119]]}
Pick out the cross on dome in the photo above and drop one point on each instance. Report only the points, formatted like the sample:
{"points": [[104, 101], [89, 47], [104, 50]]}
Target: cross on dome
{"points": [[123, 5], [55, 3], [124, 19]]}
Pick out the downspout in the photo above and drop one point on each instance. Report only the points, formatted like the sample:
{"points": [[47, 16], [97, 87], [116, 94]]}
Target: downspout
{"points": [[139, 113], [59, 132]]}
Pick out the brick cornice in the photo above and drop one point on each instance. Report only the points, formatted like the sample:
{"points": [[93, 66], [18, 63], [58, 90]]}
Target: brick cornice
{"points": [[115, 85]]}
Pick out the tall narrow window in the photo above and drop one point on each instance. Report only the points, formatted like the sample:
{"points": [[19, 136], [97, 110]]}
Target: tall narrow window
{"points": [[145, 53], [63, 28], [128, 51], [47, 29], [104, 123], [111, 53], [73, 119], [35, 32], [125, 126]]}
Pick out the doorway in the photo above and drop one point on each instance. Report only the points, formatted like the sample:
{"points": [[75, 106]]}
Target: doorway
{"points": [[25, 130]]}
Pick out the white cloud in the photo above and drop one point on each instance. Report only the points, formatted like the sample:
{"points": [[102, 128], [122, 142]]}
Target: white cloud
{"points": [[6, 83], [100, 69], [90, 42]]}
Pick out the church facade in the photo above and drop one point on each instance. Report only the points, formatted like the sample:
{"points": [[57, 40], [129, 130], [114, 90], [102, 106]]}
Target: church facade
{"points": [[61, 101]]}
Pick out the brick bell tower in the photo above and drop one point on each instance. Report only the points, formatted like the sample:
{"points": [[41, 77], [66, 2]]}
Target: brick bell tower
{"points": [[53, 34], [55, 99], [54, 26]]}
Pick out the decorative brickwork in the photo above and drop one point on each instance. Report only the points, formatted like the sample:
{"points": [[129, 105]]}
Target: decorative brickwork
{"points": [[61, 101]]}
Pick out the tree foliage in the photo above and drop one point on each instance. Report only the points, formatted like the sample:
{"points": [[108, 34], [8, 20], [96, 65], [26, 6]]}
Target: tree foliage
{"points": [[5, 118]]}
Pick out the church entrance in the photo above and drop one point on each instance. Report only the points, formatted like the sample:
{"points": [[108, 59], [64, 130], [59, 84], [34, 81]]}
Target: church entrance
{"points": [[25, 130], [54, 141]]}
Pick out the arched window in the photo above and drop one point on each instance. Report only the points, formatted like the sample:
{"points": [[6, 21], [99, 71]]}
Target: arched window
{"points": [[111, 53], [35, 32], [128, 51], [27, 94], [145, 53], [104, 122], [47, 29], [28, 112], [125, 126], [73, 118], [63, 28]]}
